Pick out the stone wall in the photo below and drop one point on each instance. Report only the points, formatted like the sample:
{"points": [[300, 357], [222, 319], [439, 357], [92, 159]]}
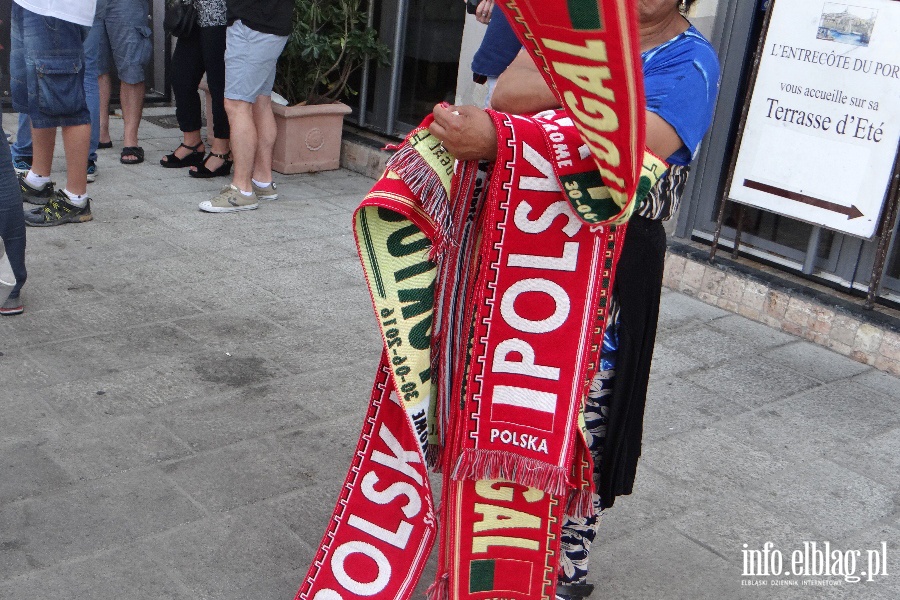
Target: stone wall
{"points": [[869, 337]]}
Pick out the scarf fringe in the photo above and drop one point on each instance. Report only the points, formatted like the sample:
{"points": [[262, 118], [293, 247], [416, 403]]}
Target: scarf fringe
{"points": [[477, 464], [425, 184], [433, 457], [440, 589], [580, 504]]}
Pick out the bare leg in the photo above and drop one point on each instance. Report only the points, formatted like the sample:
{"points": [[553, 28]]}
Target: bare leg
{"points": [[265, 131], [77, 142], [132, 98], [105, 92], [243, 144], [220, 145], [43, 143]]}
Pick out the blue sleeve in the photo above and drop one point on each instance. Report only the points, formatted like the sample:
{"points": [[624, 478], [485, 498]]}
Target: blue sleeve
{"points": [[498, 48], [681, 82]]}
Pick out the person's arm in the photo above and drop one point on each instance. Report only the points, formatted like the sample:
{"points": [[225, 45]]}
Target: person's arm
{"points": [[662, 139], [468, 132], [522, 90]]}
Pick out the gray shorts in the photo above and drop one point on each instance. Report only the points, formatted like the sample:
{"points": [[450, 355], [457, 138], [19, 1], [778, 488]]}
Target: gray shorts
{"points": [[250, 59]]}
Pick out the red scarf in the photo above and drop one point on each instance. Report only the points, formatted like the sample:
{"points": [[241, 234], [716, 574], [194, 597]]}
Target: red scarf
{"points": [[491, 300]]}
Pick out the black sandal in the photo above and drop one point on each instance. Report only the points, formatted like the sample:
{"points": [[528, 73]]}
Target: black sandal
{"points": [[136, 151], [203, 173], [574, 591], [171, 161], [104, 145]]}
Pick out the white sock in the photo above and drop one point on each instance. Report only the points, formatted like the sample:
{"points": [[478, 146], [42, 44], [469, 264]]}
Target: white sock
{"points": [[77, 200], [250, 193], [36, 180], [261, 184]]}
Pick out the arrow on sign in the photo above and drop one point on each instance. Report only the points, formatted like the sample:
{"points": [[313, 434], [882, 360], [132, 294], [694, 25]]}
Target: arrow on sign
{"points": [[851, 211]]}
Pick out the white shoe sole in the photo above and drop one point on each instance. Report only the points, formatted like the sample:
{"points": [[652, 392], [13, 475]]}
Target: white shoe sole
{"points": [[206, 206], [267, 196], [91, 178]]}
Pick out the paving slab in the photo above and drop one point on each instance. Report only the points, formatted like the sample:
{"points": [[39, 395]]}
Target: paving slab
{"points": [[815, 361], [123, 573], [697, 408], [92, 516], [828, 420], [752, 380], [237, 475], [227, 554]]}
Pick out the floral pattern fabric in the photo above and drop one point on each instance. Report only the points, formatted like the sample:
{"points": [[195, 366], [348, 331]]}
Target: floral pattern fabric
{"points": [[211, 13]]}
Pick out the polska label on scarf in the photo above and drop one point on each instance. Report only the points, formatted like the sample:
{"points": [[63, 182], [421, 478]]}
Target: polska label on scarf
{"points": [[543, 276]]}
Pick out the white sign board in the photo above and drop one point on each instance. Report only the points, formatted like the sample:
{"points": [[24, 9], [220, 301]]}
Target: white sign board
{"points": [[824, 120]]}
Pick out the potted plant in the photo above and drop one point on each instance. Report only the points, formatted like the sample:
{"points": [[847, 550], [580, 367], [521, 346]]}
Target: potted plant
{"points": [[329, 42]]}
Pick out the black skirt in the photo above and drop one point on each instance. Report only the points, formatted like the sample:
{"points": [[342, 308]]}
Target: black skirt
{"points": [[637, 287]]}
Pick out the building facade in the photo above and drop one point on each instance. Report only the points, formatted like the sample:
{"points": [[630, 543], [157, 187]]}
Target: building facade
{"points": [[433, 44]]}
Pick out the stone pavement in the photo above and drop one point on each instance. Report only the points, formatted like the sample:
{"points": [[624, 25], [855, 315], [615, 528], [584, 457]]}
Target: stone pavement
{"points": [[179, 402]]}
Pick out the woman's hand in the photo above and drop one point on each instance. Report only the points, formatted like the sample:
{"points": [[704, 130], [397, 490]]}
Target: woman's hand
{"points": [[466, 132], [484, 11]]}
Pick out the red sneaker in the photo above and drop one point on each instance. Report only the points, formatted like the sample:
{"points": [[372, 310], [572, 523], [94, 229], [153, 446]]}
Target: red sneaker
{"points": [[13, 306]]}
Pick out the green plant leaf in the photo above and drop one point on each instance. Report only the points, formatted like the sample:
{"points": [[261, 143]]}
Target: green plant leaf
{"points": [[329, 41]]}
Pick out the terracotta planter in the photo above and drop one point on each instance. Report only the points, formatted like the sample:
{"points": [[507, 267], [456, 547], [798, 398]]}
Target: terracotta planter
{"points": [[309, 137]]}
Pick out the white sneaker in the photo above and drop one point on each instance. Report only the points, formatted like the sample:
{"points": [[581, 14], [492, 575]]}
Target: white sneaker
{"points": [[230, 199]]}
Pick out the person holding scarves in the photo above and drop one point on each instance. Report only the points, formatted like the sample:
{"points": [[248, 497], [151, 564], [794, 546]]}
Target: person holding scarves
{"points": [[681, 80], [514, 259]]}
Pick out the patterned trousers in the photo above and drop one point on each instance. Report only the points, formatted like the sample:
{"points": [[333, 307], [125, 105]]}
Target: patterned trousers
{"points": [[579, 533]]}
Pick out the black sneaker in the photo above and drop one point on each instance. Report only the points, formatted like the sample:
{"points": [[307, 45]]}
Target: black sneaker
{"points": [[58, 211], [32, 195], [573, 591]]}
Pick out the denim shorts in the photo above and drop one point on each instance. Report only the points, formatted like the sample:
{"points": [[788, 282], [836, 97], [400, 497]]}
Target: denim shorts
{"points": [[250, 59], [124, 39], [46, 69]]}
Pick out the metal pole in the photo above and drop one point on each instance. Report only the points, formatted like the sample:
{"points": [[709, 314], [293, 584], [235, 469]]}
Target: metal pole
{"points": [[740, 132], [887, 232], [735, 252], [812, 250], [396, 65], [364, 84]]}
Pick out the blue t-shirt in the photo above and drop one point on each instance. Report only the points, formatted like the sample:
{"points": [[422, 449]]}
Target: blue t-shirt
{"points": [[681, 82]]}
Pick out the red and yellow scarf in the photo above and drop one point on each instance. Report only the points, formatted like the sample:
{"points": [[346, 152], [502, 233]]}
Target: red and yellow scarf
{"points": [[490, 287]]}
